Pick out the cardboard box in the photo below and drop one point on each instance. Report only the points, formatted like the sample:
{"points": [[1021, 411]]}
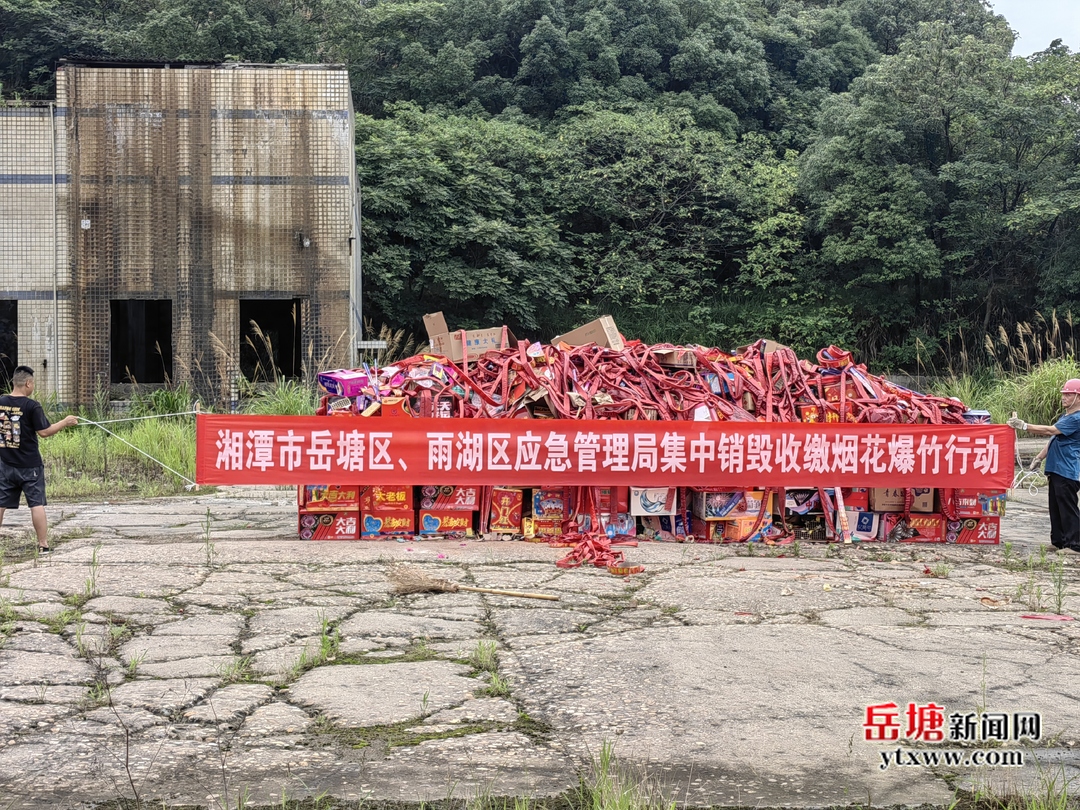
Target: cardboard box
{"points": [[664, 528], [550, 504], [892, 500], [506, 510], [707, 531], [767, 347], [675, 357], [537, 527], [624, 524], [602, 332], [450, 498], [974, 503], [741, 530], [652, 501], [477, 341], [383, 499], [728, 505], [614, 499], [433, 521], [857, 498], [802, 501], [920, 528], [974, 531], [865, 526], [329, 497], [387, 523], [345, 382], [342, 525], [394, 407]]}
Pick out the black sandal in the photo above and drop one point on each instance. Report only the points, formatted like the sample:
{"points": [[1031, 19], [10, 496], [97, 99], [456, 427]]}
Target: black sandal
{"points": [[43, 549]]}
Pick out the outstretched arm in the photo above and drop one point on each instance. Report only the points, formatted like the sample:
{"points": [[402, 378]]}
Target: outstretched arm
{"points": [[1037, 430], [56, 427]]}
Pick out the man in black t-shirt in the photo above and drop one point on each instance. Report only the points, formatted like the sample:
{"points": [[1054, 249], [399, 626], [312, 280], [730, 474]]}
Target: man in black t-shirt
{"points": [[22, 420]]}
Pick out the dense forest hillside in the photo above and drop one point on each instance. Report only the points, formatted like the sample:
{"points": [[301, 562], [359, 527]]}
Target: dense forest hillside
{"points": [[876, 173]]}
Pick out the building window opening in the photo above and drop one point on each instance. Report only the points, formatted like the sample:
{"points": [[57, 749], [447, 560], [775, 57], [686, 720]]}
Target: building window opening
{"points": [[270, 340], [141, 341], [9, 342]]}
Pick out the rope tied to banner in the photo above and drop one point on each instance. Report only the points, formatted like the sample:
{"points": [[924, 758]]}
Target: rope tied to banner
{"points": [[190, 485]]}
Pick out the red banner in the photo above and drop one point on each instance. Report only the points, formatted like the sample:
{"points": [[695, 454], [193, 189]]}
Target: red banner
{"points": [[556, 452]]}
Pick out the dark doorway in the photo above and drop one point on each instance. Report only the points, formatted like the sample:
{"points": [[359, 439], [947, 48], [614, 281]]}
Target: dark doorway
{"points": [[141, 341], [9, 342], [269, 339]]}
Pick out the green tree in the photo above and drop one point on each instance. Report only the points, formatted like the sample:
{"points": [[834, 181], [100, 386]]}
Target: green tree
{"points": [[455, 219], [937, 185], [547, 69], [649, 204]]}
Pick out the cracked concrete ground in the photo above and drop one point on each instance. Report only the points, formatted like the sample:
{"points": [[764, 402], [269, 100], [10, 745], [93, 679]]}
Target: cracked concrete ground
{"points": [[185, 650]]}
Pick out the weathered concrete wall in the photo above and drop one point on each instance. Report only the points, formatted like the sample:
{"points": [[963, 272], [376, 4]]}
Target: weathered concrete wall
{"points": [[33, 242], [200, 185]]}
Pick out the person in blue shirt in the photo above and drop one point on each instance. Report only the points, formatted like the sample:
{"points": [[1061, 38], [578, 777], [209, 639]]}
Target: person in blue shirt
{"points": [[1062, 454]]}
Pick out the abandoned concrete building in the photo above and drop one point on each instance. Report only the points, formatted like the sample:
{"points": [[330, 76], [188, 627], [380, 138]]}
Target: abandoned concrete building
{"points": [[154, 212]]}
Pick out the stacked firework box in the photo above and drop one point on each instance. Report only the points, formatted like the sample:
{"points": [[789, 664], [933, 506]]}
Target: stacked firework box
{"points": [[443, 384]]}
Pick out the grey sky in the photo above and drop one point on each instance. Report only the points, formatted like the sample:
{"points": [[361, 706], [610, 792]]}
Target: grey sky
{"points": [[1040, 22]]}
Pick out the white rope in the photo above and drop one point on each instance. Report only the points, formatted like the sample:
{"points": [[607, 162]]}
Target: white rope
{"points": [[190, 485], [137, 418]]}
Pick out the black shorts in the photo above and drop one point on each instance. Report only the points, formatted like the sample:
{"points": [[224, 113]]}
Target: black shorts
{"points": [[16, 480]]}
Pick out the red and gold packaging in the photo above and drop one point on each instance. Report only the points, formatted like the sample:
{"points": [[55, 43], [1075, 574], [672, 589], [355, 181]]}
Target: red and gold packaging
{"points": [[445, 521], [546, 527], [921, 528], [974, 503], [329, 525], [506, 509], [328, 497], [383, 499], [387, 523], [448, 498], [974, 531]]}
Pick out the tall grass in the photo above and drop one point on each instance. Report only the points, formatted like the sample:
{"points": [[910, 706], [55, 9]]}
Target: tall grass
{"points": [[611, 786], [1052, 790], [1020, 369], [1027, 345], [1036, 395], [172, 399], [974, 390], [399, 344], [84, 462], [283, 397]]}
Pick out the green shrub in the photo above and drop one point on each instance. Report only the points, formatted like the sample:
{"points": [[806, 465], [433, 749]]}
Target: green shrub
{"points": [[86, 462], [974, 390], [1035, 396], [284, 398], [162, 401]]}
